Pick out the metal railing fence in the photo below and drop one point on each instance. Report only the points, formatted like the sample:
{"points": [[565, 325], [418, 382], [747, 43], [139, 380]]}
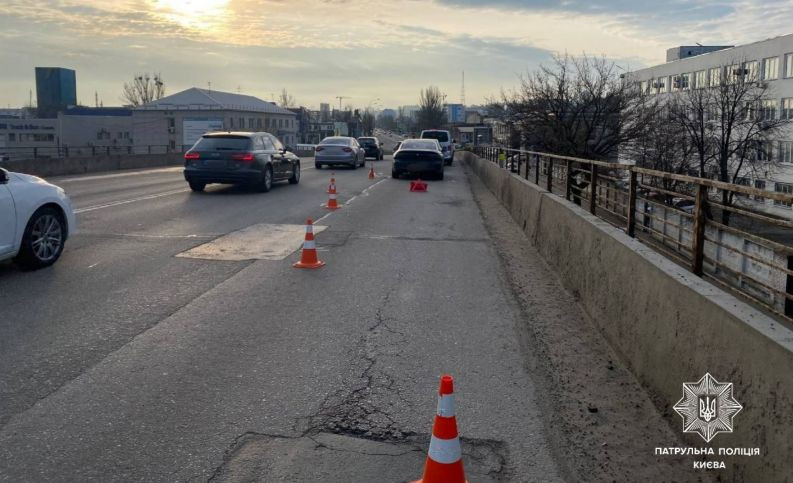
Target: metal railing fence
{"points": [[737, 245]]}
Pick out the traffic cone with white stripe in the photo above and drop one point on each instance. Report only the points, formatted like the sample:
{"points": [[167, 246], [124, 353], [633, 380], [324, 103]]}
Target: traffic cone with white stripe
{"points": [[444, 459], [309, 259], [332, 204]]}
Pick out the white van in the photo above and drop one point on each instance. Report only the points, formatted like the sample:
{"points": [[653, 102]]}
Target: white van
{"points": [[445, 140]]}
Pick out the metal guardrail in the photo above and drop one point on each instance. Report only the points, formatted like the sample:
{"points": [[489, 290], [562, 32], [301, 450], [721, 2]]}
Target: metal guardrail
{"points": [[679, 216], [42, 152]]}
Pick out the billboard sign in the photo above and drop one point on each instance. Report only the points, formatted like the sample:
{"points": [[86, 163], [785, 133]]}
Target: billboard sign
{"points": [[194, 127]]}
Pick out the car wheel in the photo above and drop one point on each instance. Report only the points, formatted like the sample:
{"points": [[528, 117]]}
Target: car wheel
{"points": [[381, 157], [395, 174], [295, 179], [196, 186], [355, 164], [439, 176], [317, 166], [43, 239], [267, 180]]}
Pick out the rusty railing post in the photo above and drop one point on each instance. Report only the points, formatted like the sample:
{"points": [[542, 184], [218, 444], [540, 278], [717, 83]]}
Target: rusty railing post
{"points": [[593, 188], [537, 169], [632, 189], [528, 165], [568, 180], [698, 242], [549, 178]]}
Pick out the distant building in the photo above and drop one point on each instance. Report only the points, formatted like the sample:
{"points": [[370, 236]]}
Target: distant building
{"points": [[176, 122], [56, 89], [473, 135], [324, 111], [455, 113], [96, 127], [473, 117], [22, 137]]}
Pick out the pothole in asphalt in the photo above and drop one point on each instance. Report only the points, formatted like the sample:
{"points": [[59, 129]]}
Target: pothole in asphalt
{"points": [[339, 457]]}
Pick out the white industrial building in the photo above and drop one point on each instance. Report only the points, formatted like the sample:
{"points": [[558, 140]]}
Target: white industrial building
{"points": [[175, 122], [689, 67]]}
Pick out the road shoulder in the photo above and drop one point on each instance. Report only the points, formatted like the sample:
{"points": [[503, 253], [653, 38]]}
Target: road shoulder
{"points": [[601, 423]]}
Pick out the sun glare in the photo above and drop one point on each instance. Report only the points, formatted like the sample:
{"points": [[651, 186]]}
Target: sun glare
{"points": [[193, 14]]}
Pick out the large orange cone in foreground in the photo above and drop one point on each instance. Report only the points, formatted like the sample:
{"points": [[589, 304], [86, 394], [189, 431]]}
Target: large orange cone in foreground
{"points": [[309, 259], [444, 459], [332, 204]]}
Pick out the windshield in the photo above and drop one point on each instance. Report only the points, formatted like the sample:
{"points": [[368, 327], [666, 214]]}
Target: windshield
{"points": [[336, 141], [367, 141], [441, 136], [223, 143]]}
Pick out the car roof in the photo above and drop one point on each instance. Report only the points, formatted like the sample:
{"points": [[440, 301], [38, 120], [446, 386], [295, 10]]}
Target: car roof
{"points": [[232, 133]]}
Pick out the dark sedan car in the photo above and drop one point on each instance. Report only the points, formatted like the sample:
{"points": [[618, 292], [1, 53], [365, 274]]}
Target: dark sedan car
{"points": [[372, 147], [256, 159], [418, 157]]}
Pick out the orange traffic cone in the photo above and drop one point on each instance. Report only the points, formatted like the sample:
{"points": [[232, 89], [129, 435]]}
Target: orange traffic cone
{"points": [[309, 259], [371, 172], [418, 185], [332, 204], [444, 459]]}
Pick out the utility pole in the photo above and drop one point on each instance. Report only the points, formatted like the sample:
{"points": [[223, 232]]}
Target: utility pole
{"points": [[462, 91]]}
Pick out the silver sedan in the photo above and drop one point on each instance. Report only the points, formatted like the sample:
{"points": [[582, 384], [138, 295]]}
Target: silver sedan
{"points": [[339, 151]]}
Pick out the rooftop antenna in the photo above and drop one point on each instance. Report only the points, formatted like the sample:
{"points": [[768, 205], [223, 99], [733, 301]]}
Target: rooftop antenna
{"points": [[209, 86], [462, 91], [96, 99]]}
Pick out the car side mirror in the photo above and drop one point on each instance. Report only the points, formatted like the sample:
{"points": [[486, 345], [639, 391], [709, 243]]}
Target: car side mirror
{"points": [[3, 176]]}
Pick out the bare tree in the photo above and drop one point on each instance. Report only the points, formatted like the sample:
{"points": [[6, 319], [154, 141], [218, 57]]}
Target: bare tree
{"points": [[729, 127], [143, 89], [431, 113], [286, 100], [579, 106], [367, 122]]}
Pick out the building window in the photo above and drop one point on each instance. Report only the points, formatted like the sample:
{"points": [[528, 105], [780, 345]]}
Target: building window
{"points": [[259, 123], [765, 150], [785, 151], [701, 79], [741, 181], [715, 76], [231, 123], [676, 83], [242, 123], [783, 188], [751, 70], [771, 68], [643, 87], [787, 108], [768, 109], [759, 184], [788, 65], [659, 85], [685, 81], [734, 73]]}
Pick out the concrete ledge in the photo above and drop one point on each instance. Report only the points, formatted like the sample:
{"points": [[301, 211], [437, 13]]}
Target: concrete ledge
{"points": [[668, 325], [89, 164]]}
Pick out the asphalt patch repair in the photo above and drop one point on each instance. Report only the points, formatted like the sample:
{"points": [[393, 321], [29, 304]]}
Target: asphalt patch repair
{"points": [[327, 456]]}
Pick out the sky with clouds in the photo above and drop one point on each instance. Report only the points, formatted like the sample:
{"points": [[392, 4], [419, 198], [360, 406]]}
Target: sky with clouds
{"points": [[363, 49]]}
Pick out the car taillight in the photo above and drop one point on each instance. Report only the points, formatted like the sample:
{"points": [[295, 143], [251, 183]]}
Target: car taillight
{"points": [[347, 150], [242, 157], [191, 156], [319, 148]]}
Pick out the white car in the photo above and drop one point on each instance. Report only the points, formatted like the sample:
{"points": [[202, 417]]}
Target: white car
{"points": [[445, 140], [36, 218]]}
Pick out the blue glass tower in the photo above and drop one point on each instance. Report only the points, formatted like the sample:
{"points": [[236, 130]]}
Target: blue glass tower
{"points": [[56, 89]]}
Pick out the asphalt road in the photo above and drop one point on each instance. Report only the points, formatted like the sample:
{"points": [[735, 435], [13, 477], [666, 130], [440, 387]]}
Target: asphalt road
{"points": [[125, 361]]}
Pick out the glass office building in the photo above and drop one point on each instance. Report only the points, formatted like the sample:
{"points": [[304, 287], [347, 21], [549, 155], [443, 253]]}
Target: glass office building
{"points": [[56, 89]]}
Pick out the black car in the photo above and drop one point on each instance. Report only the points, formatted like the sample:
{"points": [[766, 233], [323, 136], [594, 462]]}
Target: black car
{"points": [[256, 159], [418, 157], [372, 147]]}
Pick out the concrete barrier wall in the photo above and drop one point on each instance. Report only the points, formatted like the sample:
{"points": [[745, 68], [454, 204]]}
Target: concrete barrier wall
{"points": [[668, 325], [90, 164]]}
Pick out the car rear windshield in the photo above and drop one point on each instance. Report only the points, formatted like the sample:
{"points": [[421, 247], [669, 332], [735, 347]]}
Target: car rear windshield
{"points": [[336, 141], [441, 136], [416, 144], [367, 141], [223, 143]]}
